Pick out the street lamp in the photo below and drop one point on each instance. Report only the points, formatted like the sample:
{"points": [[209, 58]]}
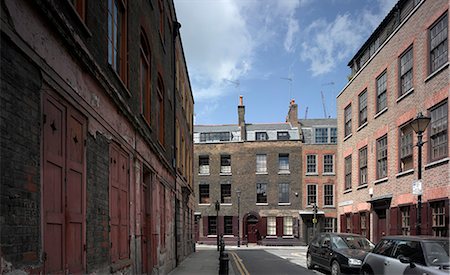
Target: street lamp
{"points": [[217, 205], [238, 192], [314, 217], [419, 124]]}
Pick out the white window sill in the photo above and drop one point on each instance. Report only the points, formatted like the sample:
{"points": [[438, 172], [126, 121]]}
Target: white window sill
{"points": [[404, 173], [347, 191], [288, 237], [262, 203], [380, 112], [271, 237], [328, 206], [226, 204], [362, 126], [311, 174], [284, 172], [381, 180], [204, 174], [436, 72], [284, 203], [407, 93], [204, 204], [228, 236], [362, 186], [436, 163], [225, 174], [328, 174], [347, 136], [211, 236], [262, 173]]}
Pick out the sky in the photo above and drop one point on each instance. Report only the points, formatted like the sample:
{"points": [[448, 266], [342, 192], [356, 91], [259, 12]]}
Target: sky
{"points": [[272, 51]]}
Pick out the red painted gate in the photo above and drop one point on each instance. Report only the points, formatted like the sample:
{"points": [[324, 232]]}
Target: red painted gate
{"points": [[63, 188]]}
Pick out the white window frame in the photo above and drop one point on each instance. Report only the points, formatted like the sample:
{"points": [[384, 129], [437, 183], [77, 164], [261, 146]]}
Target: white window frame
{"points": [[288, 227], [332, 163], [271, 226], [315, 169], [259, 169]]}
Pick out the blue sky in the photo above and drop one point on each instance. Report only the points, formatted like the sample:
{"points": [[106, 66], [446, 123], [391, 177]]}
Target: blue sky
{"points": [[257, 43]]}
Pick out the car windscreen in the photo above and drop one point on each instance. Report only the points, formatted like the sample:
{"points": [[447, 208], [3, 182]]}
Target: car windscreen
{"points": [[353, 242], [437, 252]]}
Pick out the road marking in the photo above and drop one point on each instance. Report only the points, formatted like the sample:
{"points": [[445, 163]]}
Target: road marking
{"points": [[239, 264]]}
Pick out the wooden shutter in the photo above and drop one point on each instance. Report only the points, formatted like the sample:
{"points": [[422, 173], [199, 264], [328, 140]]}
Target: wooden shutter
{"points": [[221, 225], [447, 220], [427, 219], [114, 194], [205, 225], [356, 224], [343, 223], [393, 221], [368, 224], [235, 225], [295, 227], [124, 203], [263, 226], [279, 226]]}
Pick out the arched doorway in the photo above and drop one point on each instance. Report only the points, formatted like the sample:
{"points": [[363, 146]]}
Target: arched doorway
{"points": [[251, 227]]}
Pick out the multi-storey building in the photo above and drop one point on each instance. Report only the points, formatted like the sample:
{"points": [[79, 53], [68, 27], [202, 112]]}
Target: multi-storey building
{"points": [[400, 71], [255, 174], [96, 123], [318, 177]]}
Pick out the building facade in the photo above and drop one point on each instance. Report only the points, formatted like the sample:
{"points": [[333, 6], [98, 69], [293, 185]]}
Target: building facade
{"points": [[255, 174], [400, 71], [95, 105]]}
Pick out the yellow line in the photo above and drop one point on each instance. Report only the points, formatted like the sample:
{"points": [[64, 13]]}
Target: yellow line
{"points": [[239, 264]]}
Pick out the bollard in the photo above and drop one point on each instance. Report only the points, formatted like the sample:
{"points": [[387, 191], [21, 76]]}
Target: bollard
{"points": [[223, 264]]}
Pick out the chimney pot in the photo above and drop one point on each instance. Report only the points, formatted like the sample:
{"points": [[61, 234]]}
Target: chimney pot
{"points": [[241, 100]]}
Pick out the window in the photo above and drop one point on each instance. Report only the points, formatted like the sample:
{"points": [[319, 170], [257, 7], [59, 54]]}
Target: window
{"points": [[328, 165], [283, 193], [261, 195], [363, 107], [411, 250], [117, 37], [406, 71], [225, 164], [282, 135], [384, 247], [439, 131], [203, 190], [405, 216], [333, 135], [328, 195], [80, 7], [321, 135], [225, 193], [348, 172], [363, 166], [160, 110], [145, 79], [271, 226], [283, 162], [382, 157], [287, 226], [215, 136], [439, 225], [212, 225], [382, 91], [439, 43], [348, 218], [228, 225], [261, 136], [330, 225], [312, 194], [311, 164], [363, 224], [348, 120], [203, 165], [261, 163], [406, 148]]}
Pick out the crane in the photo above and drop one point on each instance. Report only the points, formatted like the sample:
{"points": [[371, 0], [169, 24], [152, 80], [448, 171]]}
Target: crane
{"points": [[306, 112], [323, 98]]}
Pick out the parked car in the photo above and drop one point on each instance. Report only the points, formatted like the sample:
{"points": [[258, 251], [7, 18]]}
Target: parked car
{"points": [[338, 252], [408, 255]]}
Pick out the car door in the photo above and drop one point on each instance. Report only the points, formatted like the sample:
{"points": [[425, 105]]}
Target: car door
{"points": [[315, 248], [411, 250], [380, 258], [325, 250]]}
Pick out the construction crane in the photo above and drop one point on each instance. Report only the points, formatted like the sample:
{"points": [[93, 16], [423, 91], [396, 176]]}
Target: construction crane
{"points": [[306, 112], [323, 99], [290, 85]]}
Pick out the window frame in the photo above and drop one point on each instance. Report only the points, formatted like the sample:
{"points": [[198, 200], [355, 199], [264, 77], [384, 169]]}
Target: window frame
{"points": [[118, 52], [362, 166], [407, 72], [381, 85], [225, 193], [431, 68], [348, 172], [261, 165], [261, 192], [319, 139], [362, 106], [382, 157], [283, 192], [433, 136], [200, 165], [212, 224], [405, 147], [325, 164], [283, 135], [348, 120], [405, 220], [288, 226], [283, 167], [439, 225], [261, 136], [201, 195], [228, 225], [145, 60], [309, 164], [327, 195], [312, 194], [271, 226], [224, 167], [160, 112]]}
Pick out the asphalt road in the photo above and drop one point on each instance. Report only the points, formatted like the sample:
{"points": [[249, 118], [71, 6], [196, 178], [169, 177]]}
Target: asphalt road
{"points": [[263, 262]]}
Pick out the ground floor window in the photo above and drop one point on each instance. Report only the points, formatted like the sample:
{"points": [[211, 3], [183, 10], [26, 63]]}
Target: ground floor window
{"points": [[228, 225], [330, 225], [348, 218], [438, 219], [271, 226], [212, 225], [363, 217], [287, 226], [405, 220]]}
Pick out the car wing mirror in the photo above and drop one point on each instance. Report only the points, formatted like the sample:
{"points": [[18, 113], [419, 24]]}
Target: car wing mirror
{"points": [[406, 260], [326, 245]]}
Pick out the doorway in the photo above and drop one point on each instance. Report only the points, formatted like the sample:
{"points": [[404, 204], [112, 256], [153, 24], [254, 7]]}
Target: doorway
{"points": [[251, 227], [381, 224]]}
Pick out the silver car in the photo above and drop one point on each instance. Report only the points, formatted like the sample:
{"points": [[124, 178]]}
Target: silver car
{"points": [[408, 255]]}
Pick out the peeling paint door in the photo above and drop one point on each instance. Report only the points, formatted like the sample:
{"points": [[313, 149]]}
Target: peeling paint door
{"points": [[63, 188]]}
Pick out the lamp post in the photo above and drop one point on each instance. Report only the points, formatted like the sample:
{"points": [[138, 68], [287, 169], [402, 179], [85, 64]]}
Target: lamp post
{"points": [[419, 124], [217, 205], [238, 192], [314, 218]]}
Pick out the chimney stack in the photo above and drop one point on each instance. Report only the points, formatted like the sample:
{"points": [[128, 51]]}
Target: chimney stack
{"points": [[241, 118], [292, 116]]}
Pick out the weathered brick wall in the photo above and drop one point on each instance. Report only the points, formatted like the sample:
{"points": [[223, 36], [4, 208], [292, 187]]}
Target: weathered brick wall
{"points": [[97, 212], [427, 92], [20, 126]]}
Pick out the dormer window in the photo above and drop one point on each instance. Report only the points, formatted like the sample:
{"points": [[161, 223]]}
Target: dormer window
{"points": [[261, 136], [283, 136]]}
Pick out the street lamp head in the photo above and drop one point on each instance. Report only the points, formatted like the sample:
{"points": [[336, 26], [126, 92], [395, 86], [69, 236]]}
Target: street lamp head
{"points": [[217, 204], [420, 123], [238, 192]]}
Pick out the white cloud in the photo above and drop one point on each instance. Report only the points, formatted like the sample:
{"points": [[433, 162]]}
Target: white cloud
{"points": [[332, 42]]}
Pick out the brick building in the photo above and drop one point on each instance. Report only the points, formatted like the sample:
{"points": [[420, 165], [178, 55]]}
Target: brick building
{"points": [[96, 123], [401, 70], [263, 165]]}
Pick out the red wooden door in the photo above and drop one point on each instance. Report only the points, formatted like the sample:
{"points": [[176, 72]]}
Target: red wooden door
{"points": [[251, 231], [146, 224], [63, 188]]}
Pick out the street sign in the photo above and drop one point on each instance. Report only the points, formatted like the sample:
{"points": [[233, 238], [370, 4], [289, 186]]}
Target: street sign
{"points": [[417, 187], [314, 220]]}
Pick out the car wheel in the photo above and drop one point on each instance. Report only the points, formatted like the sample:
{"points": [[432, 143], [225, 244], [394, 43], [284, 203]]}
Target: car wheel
{"points": [[309, 264], [366, 271], [335, 268]]}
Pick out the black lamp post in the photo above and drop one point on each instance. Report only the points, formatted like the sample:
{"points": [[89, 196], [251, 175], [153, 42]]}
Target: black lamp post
{"points": [[419, 124], [217, 205], [238, 192], [315, 209]]}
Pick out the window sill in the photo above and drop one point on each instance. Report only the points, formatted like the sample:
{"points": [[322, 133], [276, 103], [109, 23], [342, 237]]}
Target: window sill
{"points": [[284, 172], [381, 180], [211, 236], [288, 237], [228, 236], [347, 191], [204, 174], [407, 93], [404, 173], [437, 163], [362, 186], [328, 174], [329, 207], [120, 80], [225, 174], [311, 174], [284, 203], [433, 74], [272, 237], [362, 126], [204, 204], [262, 173], [261, 203], [380, 112], [347, 137], [225, 204]]}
